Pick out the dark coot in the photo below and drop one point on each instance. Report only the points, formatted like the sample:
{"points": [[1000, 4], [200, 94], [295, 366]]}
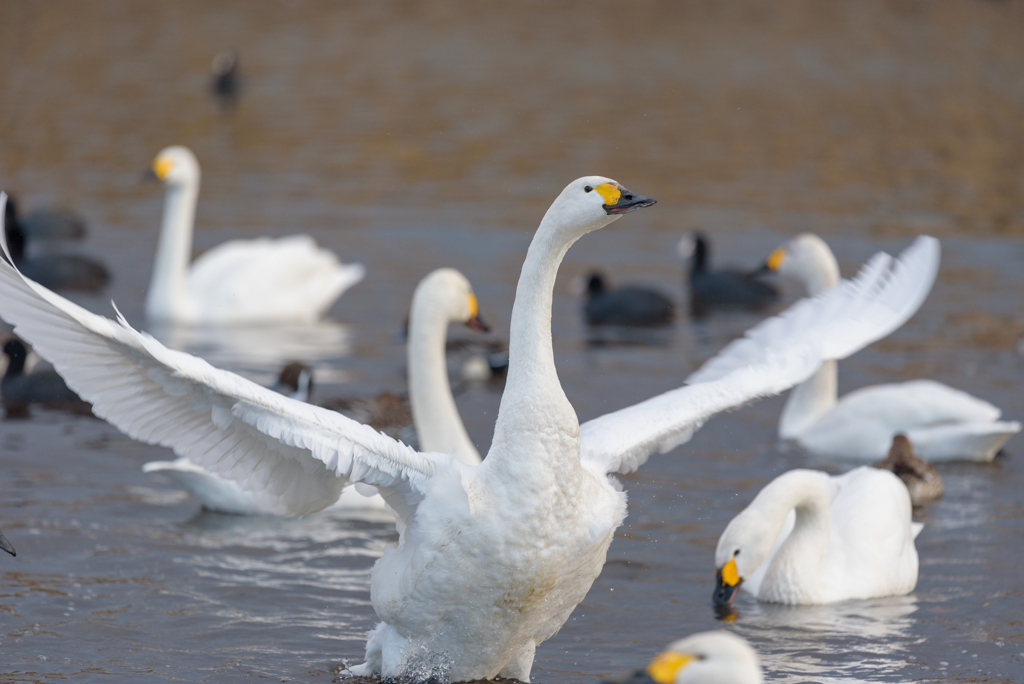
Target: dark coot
{"points": [[726, 289], [922, 480], [626, 306], [42, 387], [224, 72], [55, 271]]}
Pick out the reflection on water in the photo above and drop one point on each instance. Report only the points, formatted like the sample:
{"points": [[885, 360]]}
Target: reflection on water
{"points": [[259, 352]]}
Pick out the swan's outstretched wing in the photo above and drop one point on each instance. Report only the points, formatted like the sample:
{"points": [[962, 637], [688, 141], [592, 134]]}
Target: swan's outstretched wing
{"points": [[294, 457], [776, 354]]}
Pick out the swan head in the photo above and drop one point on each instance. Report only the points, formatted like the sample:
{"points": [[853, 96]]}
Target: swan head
{"points": [[446, 295], [709, 658], [807, 259], [590, 203], [744, 545], [176, 166]]}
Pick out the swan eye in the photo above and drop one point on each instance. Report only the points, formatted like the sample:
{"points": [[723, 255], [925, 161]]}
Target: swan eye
{"points": [[735, 553], [587, 189]]}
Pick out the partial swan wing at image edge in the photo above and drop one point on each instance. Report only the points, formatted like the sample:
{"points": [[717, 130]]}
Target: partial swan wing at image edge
{"points": [[293, 456], [778, 353]]}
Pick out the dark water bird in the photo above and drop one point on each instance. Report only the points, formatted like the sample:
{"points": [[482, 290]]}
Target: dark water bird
{"points": [[44, 387], [704, 658], [6, 545], [630, 305], [922, 480], [295, 380], [225, 75], [55, 271], [725, 289]]}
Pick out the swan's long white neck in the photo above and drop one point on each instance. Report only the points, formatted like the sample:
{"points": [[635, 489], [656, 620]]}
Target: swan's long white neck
{"points": [[534, 407], [167, 298], [434, 413], [817, 395], [797, 566]]}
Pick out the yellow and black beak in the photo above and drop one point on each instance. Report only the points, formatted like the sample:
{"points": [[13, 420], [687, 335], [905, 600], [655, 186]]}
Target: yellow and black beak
{"points": [[666, 666], [159, 170], [727, 584], [475, 322], [619, 200], [6, 545], [773, 262]]}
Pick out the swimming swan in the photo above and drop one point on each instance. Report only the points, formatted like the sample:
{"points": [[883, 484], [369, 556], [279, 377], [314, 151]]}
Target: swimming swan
{"points": [[809, 538], [491, 559], [442, 297], [717, 657], [240, 281], [943, 423]]}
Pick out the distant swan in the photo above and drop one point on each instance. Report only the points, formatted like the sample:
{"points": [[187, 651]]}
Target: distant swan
{"points": [[241, 281], [442, 297], [705, 658], [809, 538], [943, 423], [491, 559]]}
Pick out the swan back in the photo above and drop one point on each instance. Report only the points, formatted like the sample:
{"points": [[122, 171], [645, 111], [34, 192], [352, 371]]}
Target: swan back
{"points": [[808, 259], [717, 657]]}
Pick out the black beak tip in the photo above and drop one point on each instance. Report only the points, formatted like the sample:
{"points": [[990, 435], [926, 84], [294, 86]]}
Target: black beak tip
{"points": [[477, 323], [149, 175]]}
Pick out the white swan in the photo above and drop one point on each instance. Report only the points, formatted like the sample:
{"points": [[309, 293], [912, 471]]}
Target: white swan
{"points": [[491, 559], [442, 297], [809, 538], [717, 657], [943, 423], [238, 282]]}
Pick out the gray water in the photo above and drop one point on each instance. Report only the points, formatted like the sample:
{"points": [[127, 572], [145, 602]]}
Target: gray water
{"points": [[411, 136]]}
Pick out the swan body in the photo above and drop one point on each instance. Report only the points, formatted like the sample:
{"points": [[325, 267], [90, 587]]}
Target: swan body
{"points": [[943, 423], [442, 297], [492, 558], [240, 281], [809, 538], [717, 657]]}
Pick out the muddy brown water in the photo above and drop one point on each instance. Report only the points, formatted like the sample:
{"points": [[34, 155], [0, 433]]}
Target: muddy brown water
{"points": [[409, 136]]}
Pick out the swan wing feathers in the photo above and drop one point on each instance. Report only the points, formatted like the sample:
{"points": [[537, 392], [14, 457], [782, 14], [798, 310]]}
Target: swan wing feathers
{"points": [[294, 457], [778, 353], [252, 280], [879, 300]]}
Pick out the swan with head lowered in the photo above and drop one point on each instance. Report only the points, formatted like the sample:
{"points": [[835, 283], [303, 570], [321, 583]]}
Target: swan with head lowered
{"points": [[443, 297], [240, 282], [491, 559], [943, 423], [810, 538]]}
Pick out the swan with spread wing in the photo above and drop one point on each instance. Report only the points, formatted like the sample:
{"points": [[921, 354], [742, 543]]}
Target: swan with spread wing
{"points": [[491, 559]]}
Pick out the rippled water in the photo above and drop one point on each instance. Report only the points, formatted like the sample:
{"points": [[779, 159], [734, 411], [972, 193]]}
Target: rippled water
{"points": [[411, 136]]}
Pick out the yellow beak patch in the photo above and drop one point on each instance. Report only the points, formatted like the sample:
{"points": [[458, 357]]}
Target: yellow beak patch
{"points": [[610, 193], [474, 308], [663, 669], [162, 167], [730, 576], [775, 259]]}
